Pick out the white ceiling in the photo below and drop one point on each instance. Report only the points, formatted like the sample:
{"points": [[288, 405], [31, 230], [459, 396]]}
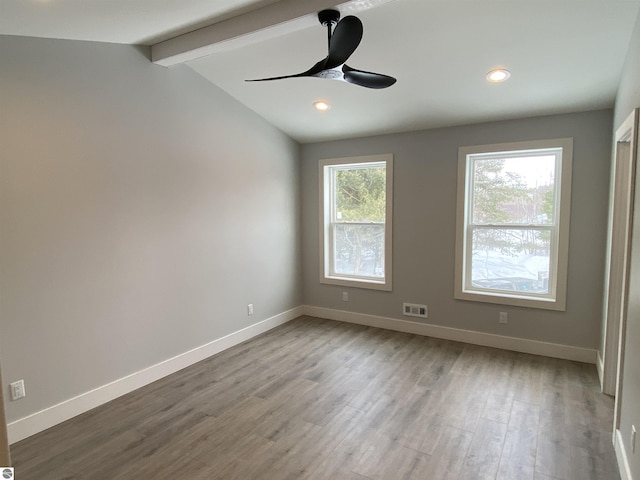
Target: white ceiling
{"points": [[564, 56]]}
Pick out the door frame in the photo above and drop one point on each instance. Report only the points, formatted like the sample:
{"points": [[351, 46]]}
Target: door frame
{"points": [[618, 254]]}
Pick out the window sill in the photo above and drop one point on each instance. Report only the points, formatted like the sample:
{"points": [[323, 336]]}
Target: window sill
{"points": [[512, 300], [357, 283]]}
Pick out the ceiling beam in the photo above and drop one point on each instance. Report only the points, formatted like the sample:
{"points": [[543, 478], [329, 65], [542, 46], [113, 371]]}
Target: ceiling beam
{"points": [[273, 20]]}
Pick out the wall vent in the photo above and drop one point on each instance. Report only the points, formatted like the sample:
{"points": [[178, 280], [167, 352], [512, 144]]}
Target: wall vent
{"points": [[414, 310]]}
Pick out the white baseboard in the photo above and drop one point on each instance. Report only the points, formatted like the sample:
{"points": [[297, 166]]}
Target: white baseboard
{"points": [[39, 421], [546, 349], [621, 456]]}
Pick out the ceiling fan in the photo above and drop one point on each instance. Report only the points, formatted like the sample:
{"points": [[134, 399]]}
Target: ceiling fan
{"points": [[344, 36]]}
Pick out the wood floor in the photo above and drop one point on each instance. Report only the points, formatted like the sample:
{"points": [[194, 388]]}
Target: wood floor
{"points": [[317, 399]]}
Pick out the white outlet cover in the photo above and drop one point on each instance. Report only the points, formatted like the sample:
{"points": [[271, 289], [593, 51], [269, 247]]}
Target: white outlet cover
{"points": [[415, 310], [17, 390]]}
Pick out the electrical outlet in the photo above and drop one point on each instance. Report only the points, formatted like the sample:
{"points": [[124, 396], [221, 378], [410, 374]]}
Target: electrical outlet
{"points": [[633, 439], [17, 390], [503, 317], [414, 310], [250, 309], [345, 296]]}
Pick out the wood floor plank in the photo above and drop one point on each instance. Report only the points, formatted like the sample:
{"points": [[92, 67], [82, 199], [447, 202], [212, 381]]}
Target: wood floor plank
{"points": [[386, 457], [317, 399], [483, 457], [449, 455], [518, 456]]}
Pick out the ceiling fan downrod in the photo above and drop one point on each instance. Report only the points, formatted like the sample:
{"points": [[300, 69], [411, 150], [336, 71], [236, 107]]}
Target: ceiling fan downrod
{"points": [[329, 18]]}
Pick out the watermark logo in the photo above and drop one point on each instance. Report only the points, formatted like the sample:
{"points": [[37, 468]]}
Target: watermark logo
{"points": [[7, 473]]}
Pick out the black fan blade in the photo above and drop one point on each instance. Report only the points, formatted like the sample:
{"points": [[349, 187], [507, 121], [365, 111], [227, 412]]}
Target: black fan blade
{"points": [[367, 79], [276, 78], [317, 68], [344, 41]]}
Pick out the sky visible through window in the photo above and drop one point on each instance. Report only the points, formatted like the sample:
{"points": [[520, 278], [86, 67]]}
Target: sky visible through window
{"points": [[535, 171]]}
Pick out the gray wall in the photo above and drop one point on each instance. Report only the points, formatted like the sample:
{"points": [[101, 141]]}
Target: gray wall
{"points": [[629, 98], [142, 209], [425, 173]]}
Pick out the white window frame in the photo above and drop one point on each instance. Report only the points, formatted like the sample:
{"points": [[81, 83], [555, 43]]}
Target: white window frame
{"points": [[556, 299], [327, 276]]}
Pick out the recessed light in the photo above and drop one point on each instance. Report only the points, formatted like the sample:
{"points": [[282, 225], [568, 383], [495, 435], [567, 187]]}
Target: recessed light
{"points": [[321, 105], [498, 75]]}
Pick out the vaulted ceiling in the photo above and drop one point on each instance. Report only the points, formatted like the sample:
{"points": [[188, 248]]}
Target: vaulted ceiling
{"points": [[563, 55]]}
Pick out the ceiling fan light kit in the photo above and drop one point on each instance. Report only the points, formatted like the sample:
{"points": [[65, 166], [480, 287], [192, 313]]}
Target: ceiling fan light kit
{"points": [[343, 36]]}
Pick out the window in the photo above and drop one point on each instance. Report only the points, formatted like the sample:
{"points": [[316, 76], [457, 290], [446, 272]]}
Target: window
{"points": [[513, 223], [355, 231]]}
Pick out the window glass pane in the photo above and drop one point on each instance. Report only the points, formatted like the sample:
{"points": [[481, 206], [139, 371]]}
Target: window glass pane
{"points": [[511, 259], [360, 194], [517, 190], [355, 241], [359, 250]]}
